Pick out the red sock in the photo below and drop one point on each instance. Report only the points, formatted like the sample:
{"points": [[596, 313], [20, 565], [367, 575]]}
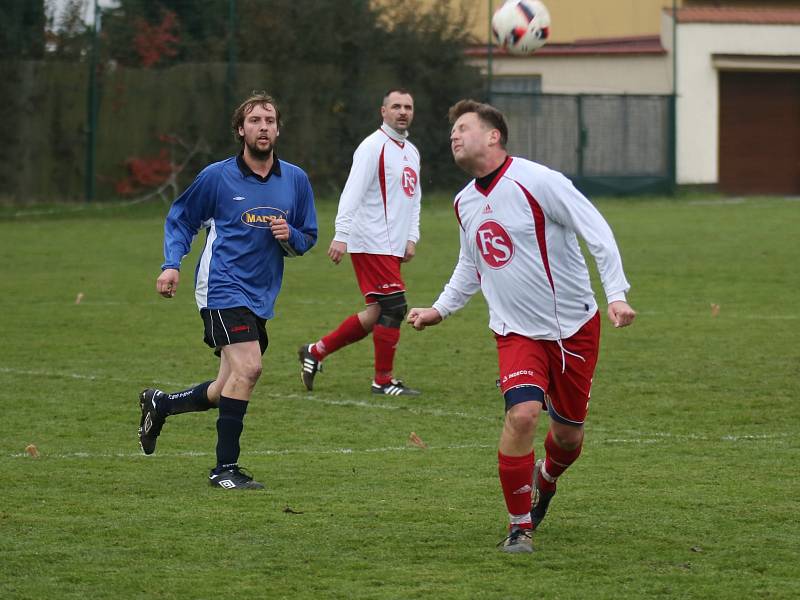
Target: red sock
{"points": [[385, 340], [556, 461], [516, 478], [349, 331]]}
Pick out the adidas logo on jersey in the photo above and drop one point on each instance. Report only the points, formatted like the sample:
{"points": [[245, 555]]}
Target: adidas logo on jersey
{"points": [[238, 198], [487, 209]]}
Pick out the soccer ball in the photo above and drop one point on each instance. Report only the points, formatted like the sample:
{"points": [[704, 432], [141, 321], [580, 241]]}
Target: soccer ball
{"points": [[521, 26]]}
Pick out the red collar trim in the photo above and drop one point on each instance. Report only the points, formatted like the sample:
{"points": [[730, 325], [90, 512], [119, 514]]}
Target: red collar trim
{"points": [[497, 178]]}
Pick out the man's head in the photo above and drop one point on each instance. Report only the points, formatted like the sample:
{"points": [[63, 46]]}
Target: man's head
{"points": [[478, 136], [256, 124], [397, 110]]}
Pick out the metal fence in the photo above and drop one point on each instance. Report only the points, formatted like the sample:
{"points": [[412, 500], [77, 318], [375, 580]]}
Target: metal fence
{"points": [[604, 143]]}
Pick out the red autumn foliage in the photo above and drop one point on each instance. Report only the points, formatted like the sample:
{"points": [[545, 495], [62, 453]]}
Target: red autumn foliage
{"points": [[145, 172], [153, 42]]}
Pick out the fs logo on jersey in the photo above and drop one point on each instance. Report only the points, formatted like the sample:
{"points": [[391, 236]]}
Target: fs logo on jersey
{"points": [[262, 216], [494, 244], [408, 181]]}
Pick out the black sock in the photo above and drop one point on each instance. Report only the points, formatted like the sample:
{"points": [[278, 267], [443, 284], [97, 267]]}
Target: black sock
{"points": [[229, 427], [195, 399]]}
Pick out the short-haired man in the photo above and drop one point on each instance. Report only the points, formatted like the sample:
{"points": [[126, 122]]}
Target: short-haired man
{"points": [[378, 225], [519, 224], [256, 210]]}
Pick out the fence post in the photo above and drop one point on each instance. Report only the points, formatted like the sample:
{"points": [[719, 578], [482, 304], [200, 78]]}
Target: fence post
{"points": [[489, 56], [91, 116], [581, 134], [230, 74]]}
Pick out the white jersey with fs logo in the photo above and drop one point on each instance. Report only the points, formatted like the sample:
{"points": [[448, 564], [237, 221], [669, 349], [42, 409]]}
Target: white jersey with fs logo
{"points": [[519, 246], [379, 206]]}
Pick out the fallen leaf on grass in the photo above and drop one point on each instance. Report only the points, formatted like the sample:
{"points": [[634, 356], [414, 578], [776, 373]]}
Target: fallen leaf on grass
{"points": [[79, 298], [32, 450], [715, 310], [413, 438]]}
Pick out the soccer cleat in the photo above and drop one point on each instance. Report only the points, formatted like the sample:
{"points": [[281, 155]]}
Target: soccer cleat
{"points": [[518, 540], [233, 478], [394, 388], [311, 366], [151, 422], [540, 499]]}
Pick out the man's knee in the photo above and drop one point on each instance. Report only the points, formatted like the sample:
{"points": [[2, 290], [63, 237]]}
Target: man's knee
{"points": [[522, 418], [568, 438], [393, 309]]}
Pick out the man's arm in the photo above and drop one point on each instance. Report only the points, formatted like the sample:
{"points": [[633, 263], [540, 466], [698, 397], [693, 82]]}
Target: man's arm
{"points": [[298, 235], [572, 209], [184, 220], [463, 284]]}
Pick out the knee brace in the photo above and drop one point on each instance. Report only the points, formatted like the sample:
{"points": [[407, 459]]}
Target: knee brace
{"points": [[393, 309]]}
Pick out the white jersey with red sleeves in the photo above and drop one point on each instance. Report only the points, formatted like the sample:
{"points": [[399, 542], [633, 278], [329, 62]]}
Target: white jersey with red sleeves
{"points": [[519, 246], [379, 206]]}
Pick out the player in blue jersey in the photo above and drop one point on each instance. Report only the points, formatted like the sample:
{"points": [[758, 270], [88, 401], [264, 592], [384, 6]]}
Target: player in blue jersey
{"points": [[256, 210]]}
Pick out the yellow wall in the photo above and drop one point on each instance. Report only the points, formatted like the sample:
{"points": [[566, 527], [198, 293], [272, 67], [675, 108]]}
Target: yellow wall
{"points": [[578, 19]]}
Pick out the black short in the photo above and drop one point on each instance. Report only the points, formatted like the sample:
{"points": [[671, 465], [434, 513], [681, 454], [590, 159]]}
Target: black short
{"points": [[224, 326]]}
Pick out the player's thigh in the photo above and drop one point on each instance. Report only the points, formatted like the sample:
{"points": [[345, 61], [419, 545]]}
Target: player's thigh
{"points": [[243, 359], [226, 326], [523, 368], [377, 274], [571, 374]]}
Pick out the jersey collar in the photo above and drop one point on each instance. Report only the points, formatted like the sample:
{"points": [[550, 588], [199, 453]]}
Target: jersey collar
{"points": [[247, 171], [486, 183], [397, 137]]}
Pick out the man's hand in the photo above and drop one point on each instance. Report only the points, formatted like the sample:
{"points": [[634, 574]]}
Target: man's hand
{"points": [[280, 229], [420, 318], [336, 251], [411, 250], [621, 314], [167, 282]]}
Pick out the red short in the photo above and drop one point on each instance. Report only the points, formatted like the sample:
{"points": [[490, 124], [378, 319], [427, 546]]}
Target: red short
{"points": [[377, 274], [524, 361]]}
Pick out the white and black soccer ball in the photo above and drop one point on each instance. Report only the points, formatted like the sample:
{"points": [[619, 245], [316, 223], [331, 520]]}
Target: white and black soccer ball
{"points": [[521, 26]]}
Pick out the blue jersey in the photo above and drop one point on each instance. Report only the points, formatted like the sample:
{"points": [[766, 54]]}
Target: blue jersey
{"points": [[242, 263]]}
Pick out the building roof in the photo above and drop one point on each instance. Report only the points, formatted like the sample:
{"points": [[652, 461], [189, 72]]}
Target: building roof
{"points": [[642, 44], [730, 14]]}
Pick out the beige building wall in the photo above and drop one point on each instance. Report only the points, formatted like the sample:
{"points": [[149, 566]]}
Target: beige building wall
{"points": [[645, 74], [698, 85]]}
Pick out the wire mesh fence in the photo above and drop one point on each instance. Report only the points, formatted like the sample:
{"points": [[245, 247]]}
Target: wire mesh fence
{"points": [[607, 143]]}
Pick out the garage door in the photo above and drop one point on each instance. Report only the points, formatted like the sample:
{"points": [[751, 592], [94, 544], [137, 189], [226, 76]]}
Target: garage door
{"points": [[759, 145]]}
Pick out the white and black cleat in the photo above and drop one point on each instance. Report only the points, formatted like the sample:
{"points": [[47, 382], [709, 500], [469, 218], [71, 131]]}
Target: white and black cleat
{"points": [[394, 388], [310, 366]]}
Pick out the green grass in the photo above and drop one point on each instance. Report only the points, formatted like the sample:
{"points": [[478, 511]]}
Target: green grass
{"points": [[688, 486]]}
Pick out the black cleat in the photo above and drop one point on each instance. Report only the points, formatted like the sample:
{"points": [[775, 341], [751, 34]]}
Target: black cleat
{"points": [[394, 388], [151, 422], [541, 499], [311, 366], [518, 540], [233, 478]]}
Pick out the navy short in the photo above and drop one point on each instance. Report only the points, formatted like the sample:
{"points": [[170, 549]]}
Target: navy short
{"points": [[225, 326]]}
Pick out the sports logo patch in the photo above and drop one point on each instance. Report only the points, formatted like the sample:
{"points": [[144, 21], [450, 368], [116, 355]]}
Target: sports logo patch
{"points": [[494, 244], [408, 181], [262, 216]]}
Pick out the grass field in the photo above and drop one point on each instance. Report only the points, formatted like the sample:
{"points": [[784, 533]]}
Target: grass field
{"points": [[688, 486]]}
